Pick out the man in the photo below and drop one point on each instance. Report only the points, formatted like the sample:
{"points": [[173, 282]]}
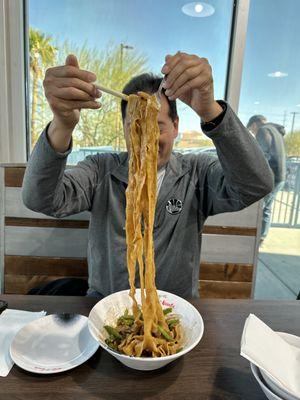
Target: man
{"points": [[270, 139], [193, 187]]}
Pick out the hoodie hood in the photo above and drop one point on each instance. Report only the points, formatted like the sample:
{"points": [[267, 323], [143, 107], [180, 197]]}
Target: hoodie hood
{"points": [[280, 128]]}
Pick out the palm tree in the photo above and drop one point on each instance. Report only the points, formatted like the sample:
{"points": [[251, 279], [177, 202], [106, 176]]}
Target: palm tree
{"points": [[42, 54]]}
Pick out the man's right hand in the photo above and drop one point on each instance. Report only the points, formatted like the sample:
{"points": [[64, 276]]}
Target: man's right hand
{"points": [[68, 89]]}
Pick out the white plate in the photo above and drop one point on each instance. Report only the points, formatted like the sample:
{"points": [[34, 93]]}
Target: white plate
{"points": [[54, 343]]}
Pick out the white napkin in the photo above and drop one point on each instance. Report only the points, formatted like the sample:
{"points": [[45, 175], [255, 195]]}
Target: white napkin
{"points": [[11, 321], [269, 352]]}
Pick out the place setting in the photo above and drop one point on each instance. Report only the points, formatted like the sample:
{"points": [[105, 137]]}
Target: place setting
{"points": [[274, 359], [44, 344]]}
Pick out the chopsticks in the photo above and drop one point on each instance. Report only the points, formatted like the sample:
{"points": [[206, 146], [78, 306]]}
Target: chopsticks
{"points": [[111, 91]]}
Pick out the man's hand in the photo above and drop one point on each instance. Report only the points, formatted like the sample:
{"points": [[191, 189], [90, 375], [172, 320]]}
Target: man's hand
{"points": [[189, 78], [68, 89]]}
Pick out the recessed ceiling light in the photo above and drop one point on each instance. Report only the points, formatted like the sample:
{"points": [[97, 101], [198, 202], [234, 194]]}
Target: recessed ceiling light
{"points": [[298, 105], [198, 9], [277, 74], [256, 102]]}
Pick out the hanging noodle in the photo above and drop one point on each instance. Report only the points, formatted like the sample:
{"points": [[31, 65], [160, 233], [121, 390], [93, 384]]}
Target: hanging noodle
{"points": [[149, 331]]}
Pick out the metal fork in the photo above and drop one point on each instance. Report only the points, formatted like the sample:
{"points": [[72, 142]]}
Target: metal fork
{"points": [[159, 90]]}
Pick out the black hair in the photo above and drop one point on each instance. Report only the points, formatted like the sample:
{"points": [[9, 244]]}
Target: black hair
{"points": [[258, 119], [148, 83]]}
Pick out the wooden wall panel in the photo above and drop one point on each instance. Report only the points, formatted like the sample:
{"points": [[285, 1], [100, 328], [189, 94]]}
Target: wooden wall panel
{"points": [[14, 176], [225, 290], [226, 272], [47, 242], [227, 248], [26, 265], [246, 217], [14, 207], [21, 284], [2, 216], [46, 223], [216, 280], [64, 242]]}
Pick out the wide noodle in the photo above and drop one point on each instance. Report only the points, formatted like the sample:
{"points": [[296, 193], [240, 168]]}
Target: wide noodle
{"points": [[151, 331]]}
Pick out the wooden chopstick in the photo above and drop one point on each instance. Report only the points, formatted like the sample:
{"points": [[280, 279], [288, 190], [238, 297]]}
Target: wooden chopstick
{"points": [[111, 91]]}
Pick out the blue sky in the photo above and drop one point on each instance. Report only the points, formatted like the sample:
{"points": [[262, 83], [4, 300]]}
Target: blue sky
{"points": [[273, 44], [159, 27]]}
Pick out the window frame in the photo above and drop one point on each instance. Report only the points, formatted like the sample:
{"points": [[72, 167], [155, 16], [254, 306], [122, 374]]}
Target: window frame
{"points": [[236, 55], [13, 132]]}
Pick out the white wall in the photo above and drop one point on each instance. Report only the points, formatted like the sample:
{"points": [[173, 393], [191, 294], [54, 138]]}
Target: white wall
{"points": [[12, 82]]}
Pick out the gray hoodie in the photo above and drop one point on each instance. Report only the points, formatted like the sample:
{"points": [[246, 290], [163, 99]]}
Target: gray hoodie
{"points": [[194, 187]]}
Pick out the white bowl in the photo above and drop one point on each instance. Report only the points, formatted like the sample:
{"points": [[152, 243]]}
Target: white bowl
{"points": [[267, 384], [256, 372], [277, 388], [106, 312]]}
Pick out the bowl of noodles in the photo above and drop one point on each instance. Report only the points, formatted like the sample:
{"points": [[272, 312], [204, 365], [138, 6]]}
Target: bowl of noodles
{"points": [[144, 328], [113, 324]]}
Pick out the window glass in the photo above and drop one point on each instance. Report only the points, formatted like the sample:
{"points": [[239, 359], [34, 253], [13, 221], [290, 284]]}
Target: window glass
{"points": [[271, 80], [271, 88], [118, 39]]}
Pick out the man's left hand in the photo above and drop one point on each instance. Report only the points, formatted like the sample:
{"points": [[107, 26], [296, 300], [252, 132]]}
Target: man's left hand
{"points": [[189, 78]]}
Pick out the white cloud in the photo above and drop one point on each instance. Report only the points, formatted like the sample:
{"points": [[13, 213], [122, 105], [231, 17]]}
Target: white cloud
{"points": [[277, 74]]}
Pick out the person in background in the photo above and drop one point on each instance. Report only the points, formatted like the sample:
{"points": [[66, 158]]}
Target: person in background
{"points": [[270, 139]]}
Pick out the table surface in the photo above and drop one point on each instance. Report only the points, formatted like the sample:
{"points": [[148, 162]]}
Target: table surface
{"points": [[214, 370]]}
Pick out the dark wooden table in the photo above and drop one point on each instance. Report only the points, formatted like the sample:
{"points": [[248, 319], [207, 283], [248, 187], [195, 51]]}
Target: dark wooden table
{"points": [[213, 370]]}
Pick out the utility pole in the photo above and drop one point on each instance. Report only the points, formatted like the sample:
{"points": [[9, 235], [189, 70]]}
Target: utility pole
{"points": [[294, 113], [118, 127], [284, 118], [122, 48]]}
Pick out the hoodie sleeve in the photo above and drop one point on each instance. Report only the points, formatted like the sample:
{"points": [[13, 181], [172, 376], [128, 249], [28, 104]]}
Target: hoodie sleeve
{"points": [[51, 188]]}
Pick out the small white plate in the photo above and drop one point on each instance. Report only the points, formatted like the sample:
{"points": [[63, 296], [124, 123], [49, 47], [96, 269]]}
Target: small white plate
{"points": [[54, 343]]}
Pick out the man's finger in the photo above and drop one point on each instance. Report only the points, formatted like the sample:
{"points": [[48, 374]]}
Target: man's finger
{"points": [[171, 61], [186, 75], [89, 88], [72, 93], [69, 71], [198, 82], [72, 60], [69, 105], [180, 68]]}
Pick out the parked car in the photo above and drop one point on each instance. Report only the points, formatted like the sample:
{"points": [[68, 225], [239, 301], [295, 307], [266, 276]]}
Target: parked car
{"points": [[209, 150], [197, 150]]}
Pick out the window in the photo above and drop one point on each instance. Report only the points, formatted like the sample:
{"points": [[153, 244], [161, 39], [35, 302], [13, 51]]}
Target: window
{"points": [[271, 81], [119, 39], [271, 87]]}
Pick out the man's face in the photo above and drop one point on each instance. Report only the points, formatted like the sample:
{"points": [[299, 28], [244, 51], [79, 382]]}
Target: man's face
{"points": [[168, 133]]}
